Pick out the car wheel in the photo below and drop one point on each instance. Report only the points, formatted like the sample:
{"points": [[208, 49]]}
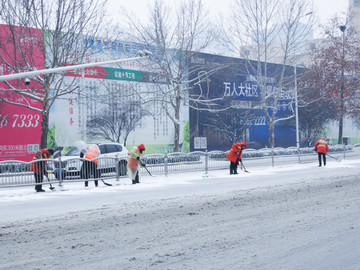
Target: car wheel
{"points": [[122, 168]]}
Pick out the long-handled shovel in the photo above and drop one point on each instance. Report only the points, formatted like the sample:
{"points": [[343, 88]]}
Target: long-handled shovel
{"points": [[337, 159], [106, 184], [242, 164], [148, 171], [51, 187]]}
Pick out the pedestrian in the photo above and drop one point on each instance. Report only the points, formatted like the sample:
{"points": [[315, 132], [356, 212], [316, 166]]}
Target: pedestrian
{"points": [[89, 166], [322, 147], [235, 156], [39, 167], [134, 161]]}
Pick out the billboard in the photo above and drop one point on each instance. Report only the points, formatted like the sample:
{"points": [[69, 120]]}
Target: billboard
{"points": [[128, 83], [20, 126], [231, 83]]}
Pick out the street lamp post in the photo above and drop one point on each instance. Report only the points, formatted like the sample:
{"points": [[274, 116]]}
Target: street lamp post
{"points": [[296, 115], [341, 119], [142, 55], [296, 106]]}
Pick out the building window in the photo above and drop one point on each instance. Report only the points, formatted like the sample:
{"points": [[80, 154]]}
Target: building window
{"points": [[357, 3]]}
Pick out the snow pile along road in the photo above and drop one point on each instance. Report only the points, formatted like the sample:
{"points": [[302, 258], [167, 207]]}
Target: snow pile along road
{"points": [[299, 217]]}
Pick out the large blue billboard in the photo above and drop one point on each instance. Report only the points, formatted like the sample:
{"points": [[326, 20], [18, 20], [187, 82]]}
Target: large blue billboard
{"points": [[225, 103]]}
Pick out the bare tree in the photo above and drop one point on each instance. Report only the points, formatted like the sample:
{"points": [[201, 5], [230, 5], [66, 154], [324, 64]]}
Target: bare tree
{"points": [[173, 34], [313, 117], [233, 123], [56, 29], [115, 121], [335, 70], [266, 32]]}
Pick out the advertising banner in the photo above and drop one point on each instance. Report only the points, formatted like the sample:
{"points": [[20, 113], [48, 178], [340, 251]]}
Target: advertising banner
{"points": [[230, 88], [20, 126], [124, 91]]}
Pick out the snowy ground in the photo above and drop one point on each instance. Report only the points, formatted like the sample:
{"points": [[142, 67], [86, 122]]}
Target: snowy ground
{"points": [[291, 217]]}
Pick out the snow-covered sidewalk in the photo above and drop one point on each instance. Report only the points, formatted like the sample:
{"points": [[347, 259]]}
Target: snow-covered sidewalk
{"points": [[293, 217]]}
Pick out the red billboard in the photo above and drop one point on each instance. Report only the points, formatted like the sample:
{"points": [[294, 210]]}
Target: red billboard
{"points": [[20, 126]]}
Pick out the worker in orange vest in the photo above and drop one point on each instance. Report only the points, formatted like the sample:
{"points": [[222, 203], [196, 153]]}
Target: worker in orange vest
{"points": [[39, 167], [322, 147], [89, 166], [235, 156], [134, 161]]}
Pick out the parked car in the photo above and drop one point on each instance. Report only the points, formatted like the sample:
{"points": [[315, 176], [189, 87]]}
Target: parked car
{"points": [[71, 162]]}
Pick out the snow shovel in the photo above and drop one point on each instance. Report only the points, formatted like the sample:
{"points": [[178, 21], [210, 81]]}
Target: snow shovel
{"points": [[242, 164], [106, 184], [51, 187], [337, 159], [148, 171]]}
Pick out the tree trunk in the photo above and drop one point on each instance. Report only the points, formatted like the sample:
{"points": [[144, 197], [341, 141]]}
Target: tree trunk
{"points": [[271, 124], [272, 141], [176, 137], [45, 115], [125, 138], [271, 134], [177, 124], [341, 121], [44, 129]]}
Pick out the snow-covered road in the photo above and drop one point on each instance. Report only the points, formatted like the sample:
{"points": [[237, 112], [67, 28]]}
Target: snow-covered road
{"points": [[294, 217]]}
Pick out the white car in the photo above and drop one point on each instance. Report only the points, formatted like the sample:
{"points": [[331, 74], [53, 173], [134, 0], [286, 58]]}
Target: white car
{"points": [[111, 155]]}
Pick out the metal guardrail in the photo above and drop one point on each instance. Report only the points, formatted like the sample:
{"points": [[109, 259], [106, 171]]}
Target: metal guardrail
{"points": [[17, 173]]}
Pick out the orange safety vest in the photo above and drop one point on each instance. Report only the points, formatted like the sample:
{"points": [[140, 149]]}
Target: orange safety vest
{"points": [[133, 162], [40, 167], [322, 146], [235, 152], [92, 152]]}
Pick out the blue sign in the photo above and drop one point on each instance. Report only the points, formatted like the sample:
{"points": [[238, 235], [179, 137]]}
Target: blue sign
{"points": [[230, 82]]}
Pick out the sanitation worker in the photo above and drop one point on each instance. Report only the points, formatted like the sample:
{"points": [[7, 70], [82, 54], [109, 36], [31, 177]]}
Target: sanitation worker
{"points": [[134, 161], [39, 167], [89, 166], [235, 156], [322, 147]]}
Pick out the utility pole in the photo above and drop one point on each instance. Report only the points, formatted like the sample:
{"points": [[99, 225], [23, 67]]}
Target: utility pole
{"points": [[341, 115], [296, 115]]}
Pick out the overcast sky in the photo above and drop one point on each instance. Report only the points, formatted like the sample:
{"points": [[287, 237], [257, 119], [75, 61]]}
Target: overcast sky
{"points": [[323, 9]]}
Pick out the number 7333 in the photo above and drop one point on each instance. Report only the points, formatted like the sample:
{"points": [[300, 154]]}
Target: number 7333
{"points": [[19, 120]]}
